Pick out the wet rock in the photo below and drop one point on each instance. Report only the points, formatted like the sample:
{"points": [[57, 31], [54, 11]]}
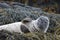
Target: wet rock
{"points": [[4, 5]]}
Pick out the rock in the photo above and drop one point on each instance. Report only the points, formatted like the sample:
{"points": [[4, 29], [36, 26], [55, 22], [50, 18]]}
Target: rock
{"points": [[17, 12], [5, 35], [4, 5], [20, 11]]}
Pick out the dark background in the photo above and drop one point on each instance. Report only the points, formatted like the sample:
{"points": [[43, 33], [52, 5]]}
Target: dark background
{"points": [[47, 5]]}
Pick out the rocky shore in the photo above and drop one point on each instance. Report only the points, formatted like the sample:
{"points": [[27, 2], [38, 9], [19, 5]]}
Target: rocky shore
{"points": [[15, 11]]}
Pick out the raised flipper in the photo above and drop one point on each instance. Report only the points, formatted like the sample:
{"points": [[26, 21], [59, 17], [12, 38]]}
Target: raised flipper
{"points": [[24, 29]]}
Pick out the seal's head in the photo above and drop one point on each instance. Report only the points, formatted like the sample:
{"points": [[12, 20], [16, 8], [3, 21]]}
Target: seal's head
{"points": [[43, 23]]}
